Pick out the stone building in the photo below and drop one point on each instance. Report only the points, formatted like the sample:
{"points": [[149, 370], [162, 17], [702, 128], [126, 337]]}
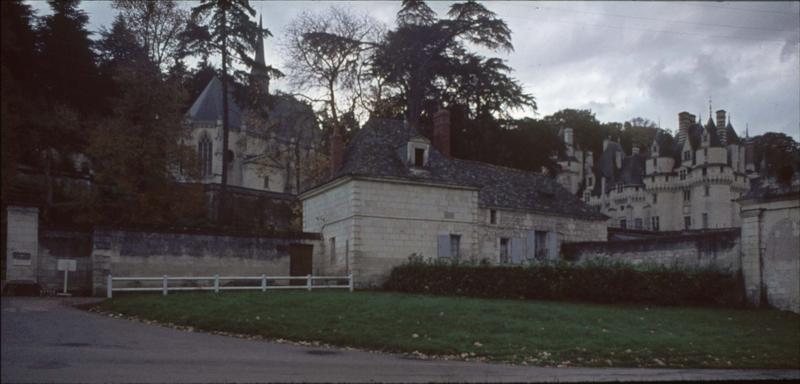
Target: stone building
{"points": [[690, 181], [267, 153], [397, 195]]}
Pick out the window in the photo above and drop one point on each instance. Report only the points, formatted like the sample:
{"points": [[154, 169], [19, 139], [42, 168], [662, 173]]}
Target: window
{"points": [[621, 207], [687, 155], [687, 195], [655, 162], [705, 153], [419, 157], [492, 216], [666, 178], [455, 241], [637, 223], [655, 198], [687, 222], [654, 223], [541, 245], [705, 137], [619, 188], [707, 190], [721, 168], [705, 220], [653, 179], [204, 153], [504, 250], [332, 249], [266, 182], [589, 181], [623, 223], [705, 171], [682, 174]]}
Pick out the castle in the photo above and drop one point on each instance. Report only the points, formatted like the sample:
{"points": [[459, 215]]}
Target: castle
{"points": [[690, 181]]}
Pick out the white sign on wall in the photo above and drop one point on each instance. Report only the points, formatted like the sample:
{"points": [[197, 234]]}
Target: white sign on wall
{"points": [[67, 265]]}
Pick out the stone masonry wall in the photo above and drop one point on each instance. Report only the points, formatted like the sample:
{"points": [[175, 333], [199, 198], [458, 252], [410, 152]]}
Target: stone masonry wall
{"points": [[718, 249], [396, 220], [55, 244], [771, 252], [153, 254], [516, 224]]}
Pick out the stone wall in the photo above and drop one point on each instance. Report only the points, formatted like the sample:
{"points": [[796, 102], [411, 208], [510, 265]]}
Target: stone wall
{"points": [[516, 225], [124, 252], [56, 244], [713, 248], [771, 251]]}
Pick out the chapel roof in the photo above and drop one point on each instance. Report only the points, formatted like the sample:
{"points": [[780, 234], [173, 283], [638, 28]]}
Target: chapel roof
{"points": [[208, 106]]}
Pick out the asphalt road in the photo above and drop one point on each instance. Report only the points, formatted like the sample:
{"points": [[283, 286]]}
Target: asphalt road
{"points": [[48, 340]]}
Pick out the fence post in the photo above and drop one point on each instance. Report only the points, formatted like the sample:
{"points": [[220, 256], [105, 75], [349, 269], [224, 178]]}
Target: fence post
{"points": [[164, 286], [350, 277], [216, 283], [263, 282], [308, 282], [108, 286]]}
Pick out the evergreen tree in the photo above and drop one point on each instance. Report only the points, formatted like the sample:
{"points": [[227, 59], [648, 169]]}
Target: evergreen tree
{"points": [[231, 33]]}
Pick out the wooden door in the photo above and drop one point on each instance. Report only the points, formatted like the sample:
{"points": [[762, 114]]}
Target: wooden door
{"points": [[300, 261]]}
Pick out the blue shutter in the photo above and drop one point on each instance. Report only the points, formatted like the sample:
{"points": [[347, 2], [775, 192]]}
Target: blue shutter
{"points": [[552, 246], [530, 245], [517, 250], [443, 242]]}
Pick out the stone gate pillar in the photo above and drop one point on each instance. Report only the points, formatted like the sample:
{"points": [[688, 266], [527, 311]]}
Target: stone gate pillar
{"points": [[22, 243]]}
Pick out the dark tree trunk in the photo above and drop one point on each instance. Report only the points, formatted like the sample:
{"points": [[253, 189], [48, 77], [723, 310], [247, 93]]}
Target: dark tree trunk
{"points": [[222, 206]]}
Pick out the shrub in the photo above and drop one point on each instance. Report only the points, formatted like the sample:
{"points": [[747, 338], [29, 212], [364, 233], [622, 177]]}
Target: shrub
{"points": [[590, 282]]}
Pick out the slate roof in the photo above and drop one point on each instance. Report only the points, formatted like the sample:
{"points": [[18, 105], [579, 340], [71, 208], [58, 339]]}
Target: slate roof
{"points": [[378, 150], [208, 106], [730, 134]]}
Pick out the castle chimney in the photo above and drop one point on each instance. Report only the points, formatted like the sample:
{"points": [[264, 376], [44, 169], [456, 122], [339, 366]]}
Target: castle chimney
{"points": [[685, 119], [337, 150], [441, 131], [721, 132]]}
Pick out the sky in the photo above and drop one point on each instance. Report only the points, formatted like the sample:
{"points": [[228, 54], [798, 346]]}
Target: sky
{"points": [[619, 59]]}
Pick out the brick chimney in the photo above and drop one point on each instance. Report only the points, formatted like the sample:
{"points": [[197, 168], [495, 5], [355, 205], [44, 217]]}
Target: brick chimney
{"points": [[441, 131], [337, 150]]}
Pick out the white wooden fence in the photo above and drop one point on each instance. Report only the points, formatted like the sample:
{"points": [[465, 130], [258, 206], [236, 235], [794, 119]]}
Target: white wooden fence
{"points": [[265, 285]]}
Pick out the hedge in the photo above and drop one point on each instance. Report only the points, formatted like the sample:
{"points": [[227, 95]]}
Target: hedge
{"points": [[591, 282]]}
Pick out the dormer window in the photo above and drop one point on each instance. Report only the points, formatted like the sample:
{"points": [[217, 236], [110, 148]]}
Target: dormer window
{"points": [[419, 157], [417, 152]]}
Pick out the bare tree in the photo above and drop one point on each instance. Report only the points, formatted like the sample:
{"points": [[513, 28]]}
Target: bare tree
{"points": [[157, 25], [327, 55]]}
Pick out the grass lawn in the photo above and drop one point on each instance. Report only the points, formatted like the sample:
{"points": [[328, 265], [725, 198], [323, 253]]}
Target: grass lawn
{"points": [[529, 332]]}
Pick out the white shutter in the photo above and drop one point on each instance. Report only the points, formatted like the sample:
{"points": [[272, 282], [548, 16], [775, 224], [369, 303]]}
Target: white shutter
{"points": [[443, 242], [552, 246], [517, 250], [530, 245]]}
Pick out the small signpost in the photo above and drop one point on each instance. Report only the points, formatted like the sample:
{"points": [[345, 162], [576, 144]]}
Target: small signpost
{"points": [[66, 265]]}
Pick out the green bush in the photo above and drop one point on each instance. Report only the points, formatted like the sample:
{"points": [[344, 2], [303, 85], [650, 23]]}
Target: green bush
{"points": [[589, 282]]}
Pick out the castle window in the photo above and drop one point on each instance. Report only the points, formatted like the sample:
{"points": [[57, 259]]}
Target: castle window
{"points": [[687, 195], [655, 161], [623, 223], [653, 179], [705, 220], [419, 157], [492, 216], [266, 182], [504, 250], [705, 152], [204, 154], [687, 155], [654, 223], [705, 171], [455, 249], [707, 190], [589, 181], [705, 137], [683, 174], [687, 222], [637, 223], [666, 178], [655, 198], [721, 168], [332, 249], [619, 188]]}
